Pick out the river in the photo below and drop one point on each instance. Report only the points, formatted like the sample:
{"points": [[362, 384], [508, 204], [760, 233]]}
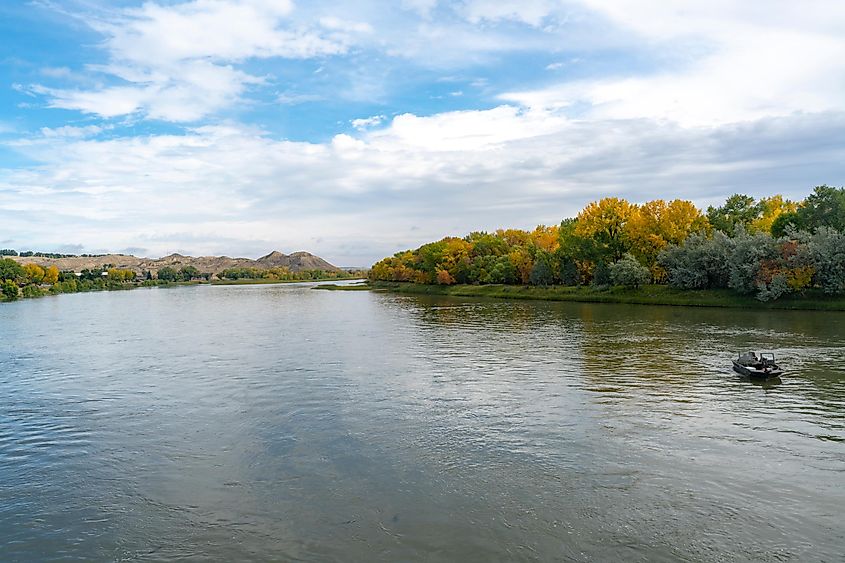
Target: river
{"points": [[277, 422]]}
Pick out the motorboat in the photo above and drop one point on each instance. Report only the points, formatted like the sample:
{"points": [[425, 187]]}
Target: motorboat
{"points": [[755, 365]]}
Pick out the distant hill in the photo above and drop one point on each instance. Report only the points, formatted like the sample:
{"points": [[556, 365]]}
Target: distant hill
{"points": [[296, 262]]}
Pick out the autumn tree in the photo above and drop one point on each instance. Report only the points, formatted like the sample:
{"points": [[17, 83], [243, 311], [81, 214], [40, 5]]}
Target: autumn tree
{"points": [[51, 275], [545, 238], [456, 259], [604, 222], [119, 275], [656, 224], [769, 209], [443, 277], [34, 273], [522, 262]]}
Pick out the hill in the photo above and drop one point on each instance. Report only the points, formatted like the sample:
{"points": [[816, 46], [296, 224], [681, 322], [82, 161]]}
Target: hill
{"points": [[296, 262]]}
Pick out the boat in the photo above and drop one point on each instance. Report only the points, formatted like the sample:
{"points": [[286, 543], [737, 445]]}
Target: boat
{"points": [[757, 365]]}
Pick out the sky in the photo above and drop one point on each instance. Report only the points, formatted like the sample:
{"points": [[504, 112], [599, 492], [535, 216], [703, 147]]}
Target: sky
{"points": [[354, 130]]}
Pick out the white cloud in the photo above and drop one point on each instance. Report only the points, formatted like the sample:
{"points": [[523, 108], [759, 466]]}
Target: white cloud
{"points": [[71, 131], [422, 7], [57, 72], [367, 122], [331, 22], [230, 189], [178, 59], [759, 60], [531, 12]]}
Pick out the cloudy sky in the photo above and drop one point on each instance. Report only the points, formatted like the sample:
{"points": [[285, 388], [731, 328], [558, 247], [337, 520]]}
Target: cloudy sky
{"points": [[357, 129]]}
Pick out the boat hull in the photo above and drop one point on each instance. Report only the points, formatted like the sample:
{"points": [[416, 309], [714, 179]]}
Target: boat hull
{"points": [[757, 373]]}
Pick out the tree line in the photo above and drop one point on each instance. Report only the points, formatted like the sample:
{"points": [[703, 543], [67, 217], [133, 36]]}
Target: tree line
{"points": [[31, 280], [767, 247], [281, 274], [30, 253]]}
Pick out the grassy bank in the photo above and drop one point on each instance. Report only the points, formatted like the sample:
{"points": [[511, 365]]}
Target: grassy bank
{"points": [[263, 281], [349, 287], [105, 285], [646, 295]]}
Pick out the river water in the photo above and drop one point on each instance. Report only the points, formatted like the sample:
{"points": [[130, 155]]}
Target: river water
{"points": [[282, 423]]}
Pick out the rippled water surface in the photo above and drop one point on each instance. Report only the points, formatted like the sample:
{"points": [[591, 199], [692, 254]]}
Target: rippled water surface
{"points": [[277, 422]]}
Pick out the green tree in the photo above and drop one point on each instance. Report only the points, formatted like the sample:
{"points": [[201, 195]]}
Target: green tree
{"points": [[189, 273], [825, 207], [568, 270], [541, 272], [11, 270], [738, 210], [601, 274], [10, 290], [168, 274]]}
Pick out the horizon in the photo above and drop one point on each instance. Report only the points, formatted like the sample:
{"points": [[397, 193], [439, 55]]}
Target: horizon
{"points": [[225, 127]]}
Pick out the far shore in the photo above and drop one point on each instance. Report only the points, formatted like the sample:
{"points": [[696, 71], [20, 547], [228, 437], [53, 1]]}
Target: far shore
{"points": [[164, 284], [645, 295], [272, 282]]}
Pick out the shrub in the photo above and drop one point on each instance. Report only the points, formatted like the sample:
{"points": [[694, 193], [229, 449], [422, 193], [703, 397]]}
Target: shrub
{"points": [[10, 290], [827, 254], [32, 291], [749, 254], [629, 272], [774, 289], [698, 263]]}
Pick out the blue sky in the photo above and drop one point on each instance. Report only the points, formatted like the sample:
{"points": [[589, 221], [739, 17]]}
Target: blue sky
{"points": [[355, 130]]}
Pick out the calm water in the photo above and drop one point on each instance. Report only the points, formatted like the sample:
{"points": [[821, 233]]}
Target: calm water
{"points": [[277, 422]]}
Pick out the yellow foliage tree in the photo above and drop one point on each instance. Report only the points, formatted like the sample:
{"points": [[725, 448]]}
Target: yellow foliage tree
{"points": [[770, 209], [522, 261], [656, 224], [546, 238], [34, 273], [51, 275], [116, 274], [444, 277], [604, 221], [514, 237]]}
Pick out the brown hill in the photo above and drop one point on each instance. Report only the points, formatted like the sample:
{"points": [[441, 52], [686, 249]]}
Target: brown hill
{"points": [[295, 262]]}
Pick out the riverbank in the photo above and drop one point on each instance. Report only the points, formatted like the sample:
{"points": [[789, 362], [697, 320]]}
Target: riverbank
{"points": [[269, 281], [349, 287], [645, 295], [105, 285]]}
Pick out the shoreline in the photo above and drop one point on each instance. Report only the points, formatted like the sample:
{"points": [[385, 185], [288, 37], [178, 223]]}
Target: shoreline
{"points": [[169, 284], [646, 295]]}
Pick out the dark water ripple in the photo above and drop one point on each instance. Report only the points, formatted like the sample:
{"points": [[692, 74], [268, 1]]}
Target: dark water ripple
{"points": [[276, 422]]}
